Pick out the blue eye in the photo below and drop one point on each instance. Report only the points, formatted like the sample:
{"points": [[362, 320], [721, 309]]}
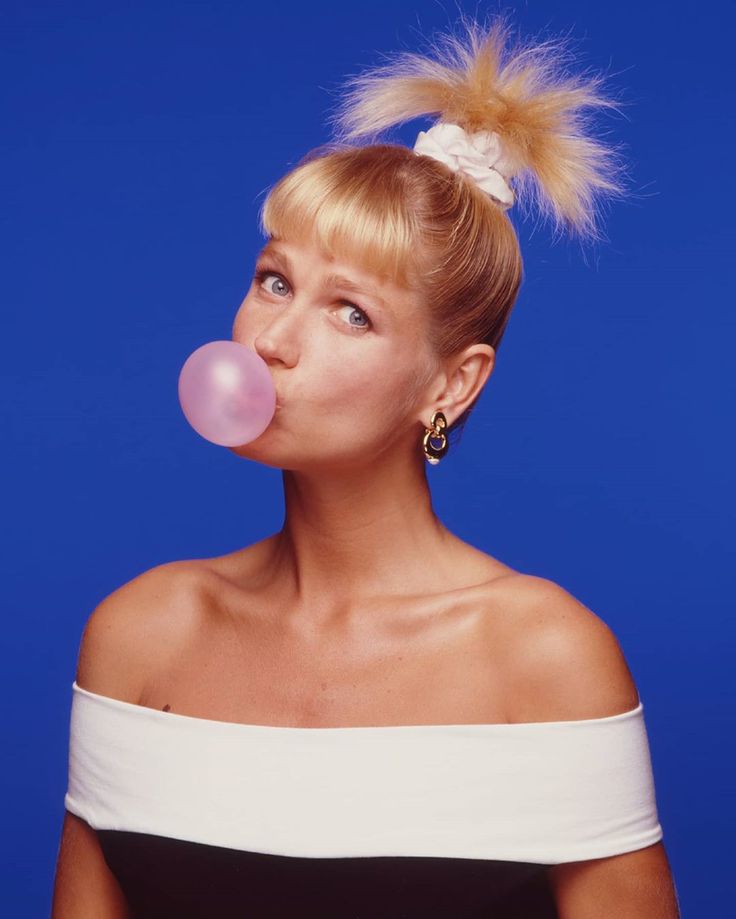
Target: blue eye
{"points": [[357, 309], [263, 272]]}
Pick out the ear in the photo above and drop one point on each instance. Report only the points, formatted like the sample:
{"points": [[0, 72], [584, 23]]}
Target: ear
{"points": [[459, 383]]}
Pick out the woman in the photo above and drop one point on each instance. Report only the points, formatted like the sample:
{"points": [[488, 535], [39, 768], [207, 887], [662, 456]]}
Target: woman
{"points": [[362, 715]]}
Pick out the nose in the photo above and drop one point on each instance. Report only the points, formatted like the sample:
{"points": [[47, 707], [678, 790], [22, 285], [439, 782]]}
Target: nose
{"points": [[277, 340], [271, 348], [272, 332]]}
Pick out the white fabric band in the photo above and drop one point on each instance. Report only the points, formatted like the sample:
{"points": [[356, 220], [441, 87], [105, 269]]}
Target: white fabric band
{"points": [[480, 156], [545, 792]]}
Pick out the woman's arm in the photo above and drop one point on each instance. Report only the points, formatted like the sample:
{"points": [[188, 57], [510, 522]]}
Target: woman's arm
{"points": [[634, 885], [121, 641], [84, 887], [568, 665]]}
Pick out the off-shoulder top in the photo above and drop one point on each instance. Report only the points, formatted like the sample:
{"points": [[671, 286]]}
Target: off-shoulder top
{"points": [[203, 818]]}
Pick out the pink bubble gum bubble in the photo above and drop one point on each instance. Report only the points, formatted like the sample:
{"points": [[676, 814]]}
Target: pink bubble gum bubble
{"points": [[226, 393]]}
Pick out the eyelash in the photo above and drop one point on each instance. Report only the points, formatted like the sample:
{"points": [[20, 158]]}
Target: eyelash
{"points": [[263, 271]]}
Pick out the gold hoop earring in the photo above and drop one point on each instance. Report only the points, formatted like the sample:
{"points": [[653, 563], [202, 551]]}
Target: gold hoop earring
{"points": [[435, 440]]}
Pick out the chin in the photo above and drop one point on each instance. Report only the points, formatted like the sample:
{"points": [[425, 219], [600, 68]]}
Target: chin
{"points": [[263, 449]]}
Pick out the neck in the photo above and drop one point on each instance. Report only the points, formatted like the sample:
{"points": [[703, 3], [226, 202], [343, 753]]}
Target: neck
{"points": [[357, 533]]}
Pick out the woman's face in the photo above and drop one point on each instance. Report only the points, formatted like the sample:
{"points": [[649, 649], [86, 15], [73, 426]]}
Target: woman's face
{"points": [[345, 360]]}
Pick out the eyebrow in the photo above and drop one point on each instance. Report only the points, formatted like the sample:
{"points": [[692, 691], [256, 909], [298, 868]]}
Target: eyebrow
{"points": [[338, 280]]}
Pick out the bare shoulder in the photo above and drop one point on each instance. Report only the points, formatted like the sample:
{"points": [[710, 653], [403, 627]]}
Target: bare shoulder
{"points": [[134, 627], [563, 662]]}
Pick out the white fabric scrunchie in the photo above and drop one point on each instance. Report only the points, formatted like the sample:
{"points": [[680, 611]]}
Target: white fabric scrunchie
{"points": [[480, 156]]}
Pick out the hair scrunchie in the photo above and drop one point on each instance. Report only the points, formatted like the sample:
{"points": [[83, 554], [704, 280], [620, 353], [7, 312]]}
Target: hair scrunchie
{"points": [[479, 155]]}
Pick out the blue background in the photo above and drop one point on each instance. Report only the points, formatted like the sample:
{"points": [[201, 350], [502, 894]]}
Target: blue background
{"points": [[138, 143]]}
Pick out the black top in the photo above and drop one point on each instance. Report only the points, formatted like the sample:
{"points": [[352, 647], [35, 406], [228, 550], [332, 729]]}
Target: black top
{"points": [[164, 877]]}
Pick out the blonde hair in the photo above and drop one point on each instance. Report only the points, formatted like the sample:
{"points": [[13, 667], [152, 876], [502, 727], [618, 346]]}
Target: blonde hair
{"points": [[409, 218]]}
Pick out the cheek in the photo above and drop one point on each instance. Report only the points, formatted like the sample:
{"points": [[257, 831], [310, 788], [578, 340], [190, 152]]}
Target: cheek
{"points": [[359, 384], [358, 408]]}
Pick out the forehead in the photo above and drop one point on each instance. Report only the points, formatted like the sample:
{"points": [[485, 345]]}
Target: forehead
{"points": [[345, 272]]}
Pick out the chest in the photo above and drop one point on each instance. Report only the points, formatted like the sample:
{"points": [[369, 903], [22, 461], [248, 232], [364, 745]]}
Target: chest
{"points": [[443, 667]]}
